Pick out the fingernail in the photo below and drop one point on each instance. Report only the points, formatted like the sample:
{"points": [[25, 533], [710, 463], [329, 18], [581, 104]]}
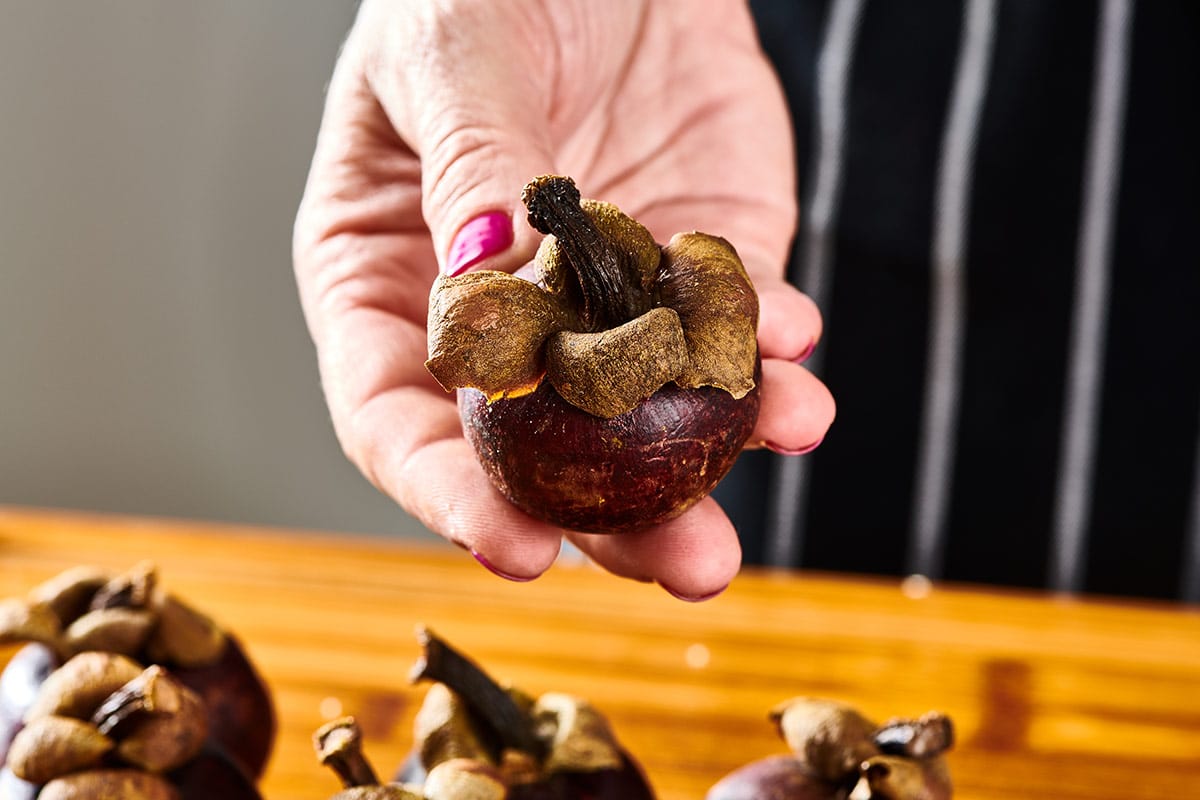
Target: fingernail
{"points": [[688, 599], [785, 451], [499, 572], [483, 236], [808, 351]]}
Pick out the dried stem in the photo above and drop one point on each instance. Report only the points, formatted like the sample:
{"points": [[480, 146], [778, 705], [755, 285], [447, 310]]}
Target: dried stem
{"points": [[339, 747], [601, 269], [484, 697]]}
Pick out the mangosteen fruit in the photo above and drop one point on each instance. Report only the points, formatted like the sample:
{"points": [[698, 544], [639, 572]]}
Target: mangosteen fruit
{"points": [[613, 389]]}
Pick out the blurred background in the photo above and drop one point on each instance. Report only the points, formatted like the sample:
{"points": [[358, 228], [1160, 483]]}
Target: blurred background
{"points": [[153, 357]]}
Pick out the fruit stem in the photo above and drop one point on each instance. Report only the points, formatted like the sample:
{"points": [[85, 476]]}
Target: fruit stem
{"points": [[600, 268], [484, 697], [339, 747]]}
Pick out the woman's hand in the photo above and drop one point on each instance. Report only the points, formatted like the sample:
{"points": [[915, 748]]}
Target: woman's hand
{"points": [[437, 116]]}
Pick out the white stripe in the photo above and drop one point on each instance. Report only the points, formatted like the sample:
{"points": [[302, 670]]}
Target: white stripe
{"points": [[1086, 354], [1191, 575], [788, 491], [943, 372]]}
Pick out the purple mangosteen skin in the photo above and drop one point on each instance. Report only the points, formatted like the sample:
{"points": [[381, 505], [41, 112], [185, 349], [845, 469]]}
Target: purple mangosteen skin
{"points": [[563, 465]]}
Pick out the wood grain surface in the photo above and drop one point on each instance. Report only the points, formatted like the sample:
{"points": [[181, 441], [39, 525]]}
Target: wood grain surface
{"points": [[1053, 697]]}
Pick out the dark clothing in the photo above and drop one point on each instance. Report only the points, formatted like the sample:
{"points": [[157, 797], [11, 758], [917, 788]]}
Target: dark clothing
{"points": [[1001, 223]]}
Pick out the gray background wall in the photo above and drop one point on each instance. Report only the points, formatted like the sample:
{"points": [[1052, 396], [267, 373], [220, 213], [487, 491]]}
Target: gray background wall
{"points": [[153, 358]]}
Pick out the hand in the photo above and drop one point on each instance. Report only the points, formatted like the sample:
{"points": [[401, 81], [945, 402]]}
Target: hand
{"points": [[437, 115]]}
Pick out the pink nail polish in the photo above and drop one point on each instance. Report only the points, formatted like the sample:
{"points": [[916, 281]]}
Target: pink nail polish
{"points": [[785, 451], [685, 598], [808, 351], [486, 235], [498, 572]]}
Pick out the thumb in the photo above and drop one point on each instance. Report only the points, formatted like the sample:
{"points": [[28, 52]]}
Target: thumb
{"points": [[475, 111], [471, 195]]}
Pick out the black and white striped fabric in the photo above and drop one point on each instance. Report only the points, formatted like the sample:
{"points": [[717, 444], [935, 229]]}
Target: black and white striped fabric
{"points": [[1001, 224]]}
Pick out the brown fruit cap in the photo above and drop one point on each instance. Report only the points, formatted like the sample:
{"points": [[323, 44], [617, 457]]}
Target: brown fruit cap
{"points": [[79, 686], [609, 372], [69, 593], [831, 738], [887, 777], [580, 739], [464, 779], [115, 630], [52, 746], [21, 621], [127, 784], [444, 728], [387, 792], [596, 271], [184, 636], [85, 608], [703, 279], [487, 331], [927, 736], [160, 723]]}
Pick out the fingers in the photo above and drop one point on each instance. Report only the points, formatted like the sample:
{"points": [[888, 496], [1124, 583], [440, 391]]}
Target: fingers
{"points": [[796, 411], [450, 493], [694, 557], [403, 432], [432, 472], [789, 322], [472, 109], [473, 176]]}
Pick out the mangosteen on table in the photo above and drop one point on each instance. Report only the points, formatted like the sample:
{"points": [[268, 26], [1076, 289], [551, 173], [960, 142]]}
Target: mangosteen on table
{"points": [[839, 754], [477, 740], [124, 690]]}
